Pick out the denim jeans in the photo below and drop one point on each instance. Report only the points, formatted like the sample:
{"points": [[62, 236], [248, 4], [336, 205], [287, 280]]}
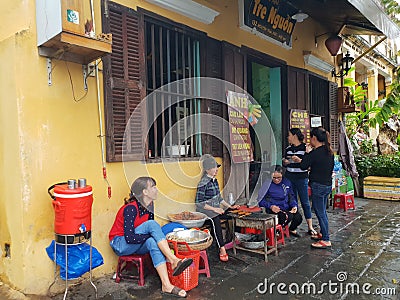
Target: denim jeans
{"points": [[319, 195], [121, 247], [300, 186]]}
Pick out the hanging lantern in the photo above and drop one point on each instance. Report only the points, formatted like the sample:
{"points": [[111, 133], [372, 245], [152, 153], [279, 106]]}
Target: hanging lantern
{"points": [[333, 44]]}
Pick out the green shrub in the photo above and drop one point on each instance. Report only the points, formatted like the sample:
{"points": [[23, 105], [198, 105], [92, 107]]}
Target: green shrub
{"points": [[380, 165]]}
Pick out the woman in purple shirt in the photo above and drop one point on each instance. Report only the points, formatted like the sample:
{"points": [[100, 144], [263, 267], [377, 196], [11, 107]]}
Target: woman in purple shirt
{"points": [[278, 198]]}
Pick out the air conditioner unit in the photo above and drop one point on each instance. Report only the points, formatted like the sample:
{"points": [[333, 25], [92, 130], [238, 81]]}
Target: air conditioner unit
{"points": [[61, 31]]}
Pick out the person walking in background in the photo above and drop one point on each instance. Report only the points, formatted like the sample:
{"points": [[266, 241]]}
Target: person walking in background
{"points": [[278, 198], [320, 161], [297, 176], [359, 137], [209, 201], [135, 231]]}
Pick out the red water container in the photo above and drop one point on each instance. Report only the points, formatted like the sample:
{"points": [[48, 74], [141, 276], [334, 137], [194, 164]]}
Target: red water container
{"points": [[72, 209]]}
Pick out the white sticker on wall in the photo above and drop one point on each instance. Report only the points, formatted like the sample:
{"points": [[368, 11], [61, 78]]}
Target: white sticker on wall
{"points": [[72, 16]]}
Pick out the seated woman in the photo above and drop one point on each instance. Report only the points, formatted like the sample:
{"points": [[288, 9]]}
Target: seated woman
{"points": [[135, 231], [277, 197], [209, 201]]}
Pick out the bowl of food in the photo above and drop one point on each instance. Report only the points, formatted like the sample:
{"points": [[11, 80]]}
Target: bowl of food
{"points": [[188, 219], [192, 237]]}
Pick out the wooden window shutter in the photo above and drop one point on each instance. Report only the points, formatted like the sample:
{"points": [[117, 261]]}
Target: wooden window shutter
{"points": [[124, 84], [212, 144], [236, 175], [297, 88], [333, 115]]}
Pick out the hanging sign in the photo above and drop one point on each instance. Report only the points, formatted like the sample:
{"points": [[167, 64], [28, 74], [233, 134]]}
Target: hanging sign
{"points": [[301, 119], [238, 111], [316, 121], [270, 19]]}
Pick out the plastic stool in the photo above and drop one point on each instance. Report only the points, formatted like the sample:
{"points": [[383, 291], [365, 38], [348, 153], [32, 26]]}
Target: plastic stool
{"points": [[137, 260], [286, 231], [280, 239], [203, 263], [344, 201]]}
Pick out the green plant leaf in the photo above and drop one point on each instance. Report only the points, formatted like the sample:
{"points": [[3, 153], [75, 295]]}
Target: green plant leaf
{"points": [[349, 81]]}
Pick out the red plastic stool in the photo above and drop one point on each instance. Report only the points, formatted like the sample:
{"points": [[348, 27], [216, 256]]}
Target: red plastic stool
{"points": [[138, 260], [280, 239], [248, 230], [344, 201], [286, 231], [203, 263]]}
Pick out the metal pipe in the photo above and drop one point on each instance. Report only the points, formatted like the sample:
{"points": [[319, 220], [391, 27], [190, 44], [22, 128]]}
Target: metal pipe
{"points": [[92, 13], [369, 50]]}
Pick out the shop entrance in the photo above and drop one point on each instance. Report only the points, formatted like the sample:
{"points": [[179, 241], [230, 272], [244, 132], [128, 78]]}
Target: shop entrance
{"points": [[264, 84]]}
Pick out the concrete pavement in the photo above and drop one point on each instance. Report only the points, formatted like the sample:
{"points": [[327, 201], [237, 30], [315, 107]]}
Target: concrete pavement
{"points": [[363, 263]]}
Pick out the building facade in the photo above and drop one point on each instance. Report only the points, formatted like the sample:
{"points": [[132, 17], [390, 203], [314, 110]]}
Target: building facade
{"points": [[61, 122]]}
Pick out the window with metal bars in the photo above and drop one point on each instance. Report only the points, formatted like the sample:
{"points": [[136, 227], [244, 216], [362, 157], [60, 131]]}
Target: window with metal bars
{"points": [[172, 56], [150, 110]]}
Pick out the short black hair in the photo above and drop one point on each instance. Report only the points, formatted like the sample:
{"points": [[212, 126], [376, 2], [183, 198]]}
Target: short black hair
{"points": [[298, 133]]}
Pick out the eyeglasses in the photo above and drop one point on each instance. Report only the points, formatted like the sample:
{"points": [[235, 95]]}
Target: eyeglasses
{"points": [[280, 177]]}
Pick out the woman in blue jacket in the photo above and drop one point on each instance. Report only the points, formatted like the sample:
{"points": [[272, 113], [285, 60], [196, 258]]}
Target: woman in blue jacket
{"points": [[277, 197]]}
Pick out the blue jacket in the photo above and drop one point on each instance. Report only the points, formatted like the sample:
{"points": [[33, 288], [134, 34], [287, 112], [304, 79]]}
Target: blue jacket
{"points": [[280, 195]]}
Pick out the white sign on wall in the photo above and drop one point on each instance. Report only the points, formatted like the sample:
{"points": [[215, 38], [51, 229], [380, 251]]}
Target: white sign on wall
{"points": [[316, 122]]}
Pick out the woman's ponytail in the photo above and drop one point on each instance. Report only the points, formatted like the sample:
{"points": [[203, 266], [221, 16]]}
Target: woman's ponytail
{"points": [[323, 137], [328, 142]]}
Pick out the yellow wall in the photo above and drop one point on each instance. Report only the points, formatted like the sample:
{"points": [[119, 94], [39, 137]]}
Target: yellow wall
{"points": [[48, 137], [226, 27]]}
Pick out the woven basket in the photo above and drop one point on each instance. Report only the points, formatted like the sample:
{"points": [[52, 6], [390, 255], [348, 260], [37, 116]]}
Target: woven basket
{"points": [[182, 246]]}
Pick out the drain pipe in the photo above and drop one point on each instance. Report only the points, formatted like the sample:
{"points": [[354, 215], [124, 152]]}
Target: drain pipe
{"points": [[101, 136]]}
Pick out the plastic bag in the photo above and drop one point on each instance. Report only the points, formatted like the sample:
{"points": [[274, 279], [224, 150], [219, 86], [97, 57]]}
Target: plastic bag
{"points": [[78, 259], [169, 227]]}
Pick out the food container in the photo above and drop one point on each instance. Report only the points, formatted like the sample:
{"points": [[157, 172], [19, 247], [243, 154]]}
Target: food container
{"points": [[191, 237], [249, 241], [198, 222]]}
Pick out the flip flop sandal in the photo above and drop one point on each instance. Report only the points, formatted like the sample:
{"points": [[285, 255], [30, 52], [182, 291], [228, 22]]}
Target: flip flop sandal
{"points": [[174, 293], [312, 232], [295, 234], [316, 237], [321, 245], [182, 265], [223, 257]]}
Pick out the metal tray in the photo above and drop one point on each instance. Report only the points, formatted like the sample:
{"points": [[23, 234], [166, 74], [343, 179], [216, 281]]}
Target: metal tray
{"points": [[252, 245], [190, 223], [192, 237], [245, 241]]}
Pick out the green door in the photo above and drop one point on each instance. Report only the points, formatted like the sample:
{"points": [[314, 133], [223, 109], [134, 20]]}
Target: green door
{"points": [[266, 90]]}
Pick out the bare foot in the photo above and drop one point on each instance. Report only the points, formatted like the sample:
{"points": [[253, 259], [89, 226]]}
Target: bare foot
{"points": [[174, 290], [175, 263]]}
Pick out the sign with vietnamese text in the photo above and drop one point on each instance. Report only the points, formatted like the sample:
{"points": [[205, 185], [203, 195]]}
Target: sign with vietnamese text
{"points": [[238, 110], [271, 18], [301, 119]]}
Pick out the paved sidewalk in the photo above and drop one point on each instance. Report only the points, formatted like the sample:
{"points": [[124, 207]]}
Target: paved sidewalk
{"points": [[363, 263]]}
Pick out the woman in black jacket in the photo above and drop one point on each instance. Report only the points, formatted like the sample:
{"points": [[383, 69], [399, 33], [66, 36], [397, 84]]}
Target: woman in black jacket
{"points": [[319, 160]]}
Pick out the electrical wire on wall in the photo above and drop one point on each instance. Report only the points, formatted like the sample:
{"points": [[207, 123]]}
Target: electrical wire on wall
{"points": [[72, 86]]}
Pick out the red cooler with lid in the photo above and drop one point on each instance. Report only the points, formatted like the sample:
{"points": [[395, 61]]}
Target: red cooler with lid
{"points": [[72, 209]]}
